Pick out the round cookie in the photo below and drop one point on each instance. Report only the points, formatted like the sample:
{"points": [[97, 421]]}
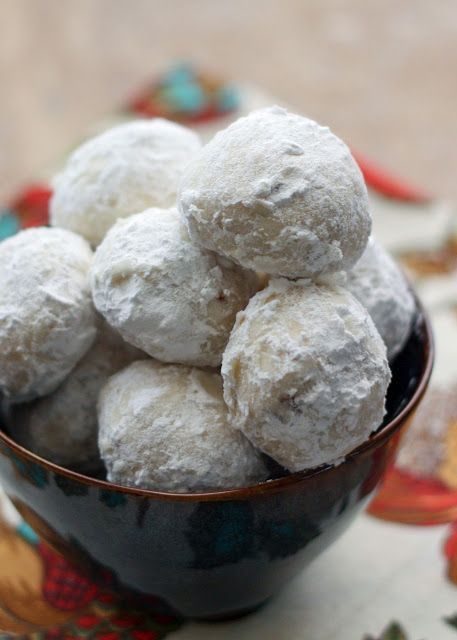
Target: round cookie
{"points": [[123, 171], [165, 295], [278, 193], [47, 319], [305, 373], [62, 427], [378, 283], [165, 427]]}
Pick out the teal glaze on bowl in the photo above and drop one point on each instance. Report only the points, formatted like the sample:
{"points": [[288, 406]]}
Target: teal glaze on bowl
{"points": [[218, 554]]}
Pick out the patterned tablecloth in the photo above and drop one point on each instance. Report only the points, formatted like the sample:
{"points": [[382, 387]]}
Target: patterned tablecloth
{"points": [[392, 576]]}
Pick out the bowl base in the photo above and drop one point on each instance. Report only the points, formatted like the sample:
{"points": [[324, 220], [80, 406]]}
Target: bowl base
{"points": [[233, 615]]}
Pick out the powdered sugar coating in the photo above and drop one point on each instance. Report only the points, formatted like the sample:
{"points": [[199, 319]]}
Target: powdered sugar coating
{"points": [[278, 193], [63, 427], [379, 284], [305, 373], [47, 320], [165, 427], [123, 171], [165, 295]]}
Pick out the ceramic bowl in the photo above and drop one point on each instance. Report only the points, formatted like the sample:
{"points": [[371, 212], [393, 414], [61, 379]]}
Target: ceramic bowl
{"points": [[218, 554]]}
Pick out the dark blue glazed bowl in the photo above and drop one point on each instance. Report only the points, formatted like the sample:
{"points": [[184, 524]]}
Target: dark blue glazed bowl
{"points": [[211, 555]]}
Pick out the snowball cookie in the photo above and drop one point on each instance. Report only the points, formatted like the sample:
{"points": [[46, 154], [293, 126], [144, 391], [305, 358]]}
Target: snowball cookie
{"points": [[168, 297], [305, 373], [165, 427], [120, 172], [62, 427], [379, 284], [277, 193], [47, 320]]}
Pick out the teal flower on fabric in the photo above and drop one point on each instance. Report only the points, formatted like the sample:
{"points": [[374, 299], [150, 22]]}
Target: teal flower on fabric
{"points": [[228, 98], [187, 97], [27, 533], [9, 224], [180, 73]]}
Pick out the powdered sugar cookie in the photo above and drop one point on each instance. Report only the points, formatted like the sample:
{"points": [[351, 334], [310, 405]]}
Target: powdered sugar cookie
{"points": [[47, 320], [165, 295], [278, 193], [378, 283], [165, 427], [62, 427], [305, 373], [121, 172]]}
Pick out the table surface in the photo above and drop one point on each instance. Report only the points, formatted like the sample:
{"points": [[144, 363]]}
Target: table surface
{"points": [[381, 73]]}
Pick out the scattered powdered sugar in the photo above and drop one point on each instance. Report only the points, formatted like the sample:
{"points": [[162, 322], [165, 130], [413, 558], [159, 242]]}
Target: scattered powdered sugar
{"points": [[47, 320], [62, 427], [165, 427], [379, 284], [123, 171], [165, 295], [277, 193], [305, 373]]}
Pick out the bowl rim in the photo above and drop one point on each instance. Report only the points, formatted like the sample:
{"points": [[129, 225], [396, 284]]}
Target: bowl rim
{"points": [[267, 486]]}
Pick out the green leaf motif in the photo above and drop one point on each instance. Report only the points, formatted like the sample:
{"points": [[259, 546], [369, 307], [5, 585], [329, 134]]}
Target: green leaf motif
{"points": [[452, 620], [393, 632]]}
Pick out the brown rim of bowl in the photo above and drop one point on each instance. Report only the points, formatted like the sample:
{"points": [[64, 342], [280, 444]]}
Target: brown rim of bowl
{"points": [[268, 485]]}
